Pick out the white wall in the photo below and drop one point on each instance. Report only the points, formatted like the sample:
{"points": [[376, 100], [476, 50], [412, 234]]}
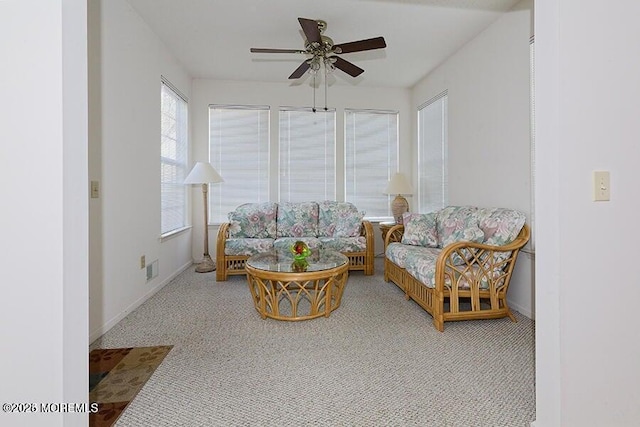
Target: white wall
{"points": [[126, 62], [275, 95], [43, 254], [489, 127], [588, 93]]}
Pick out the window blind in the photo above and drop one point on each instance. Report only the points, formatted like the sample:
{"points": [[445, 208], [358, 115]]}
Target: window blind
{"points": [[239, 151], [532, 91], [173, 159], [371, 158], [432, 154], [307, 155]]}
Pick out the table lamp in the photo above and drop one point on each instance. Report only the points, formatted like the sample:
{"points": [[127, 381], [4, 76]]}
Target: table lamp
{"points": [[399, 185]]}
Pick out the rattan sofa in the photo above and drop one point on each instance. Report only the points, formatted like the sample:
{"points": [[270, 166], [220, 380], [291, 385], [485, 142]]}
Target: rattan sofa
{"points": [[456, 263], [259, 227]]}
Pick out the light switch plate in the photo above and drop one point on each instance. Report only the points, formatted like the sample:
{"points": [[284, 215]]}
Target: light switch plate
{"points": [[601, 186], [95, 189]]}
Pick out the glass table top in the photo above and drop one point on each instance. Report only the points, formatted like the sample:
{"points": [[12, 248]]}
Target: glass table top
{"points": [[282, 261]]}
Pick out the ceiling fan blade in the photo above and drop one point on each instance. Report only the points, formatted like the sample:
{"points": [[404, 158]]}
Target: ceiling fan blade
{"points": [[310, 29], [299, 72], [360, 45], [266, 50], [348, 67]]}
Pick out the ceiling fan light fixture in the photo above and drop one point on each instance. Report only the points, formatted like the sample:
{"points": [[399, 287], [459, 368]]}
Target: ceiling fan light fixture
{"points": [[314, 65], [328, 65]]}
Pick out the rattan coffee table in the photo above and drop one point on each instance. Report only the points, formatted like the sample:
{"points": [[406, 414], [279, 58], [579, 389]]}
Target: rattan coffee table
{"points": [[284, 290]]}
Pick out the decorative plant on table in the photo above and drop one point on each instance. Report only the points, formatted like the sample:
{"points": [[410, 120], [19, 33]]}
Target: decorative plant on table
{"points": [[300, 250]]}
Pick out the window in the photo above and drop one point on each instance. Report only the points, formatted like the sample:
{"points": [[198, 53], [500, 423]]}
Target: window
{"points": [[239, 151], [173, 158], [307, 155], [371, 158], [432, 154]]}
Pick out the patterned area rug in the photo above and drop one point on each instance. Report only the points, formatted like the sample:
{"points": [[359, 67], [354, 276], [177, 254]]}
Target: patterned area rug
{"points": [[116, 375]]}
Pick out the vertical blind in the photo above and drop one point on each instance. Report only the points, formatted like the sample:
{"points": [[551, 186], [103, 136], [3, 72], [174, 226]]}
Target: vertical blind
{"points": [[371, 158], [173, 159], [432, 154], [239, 151], [307, 155]]}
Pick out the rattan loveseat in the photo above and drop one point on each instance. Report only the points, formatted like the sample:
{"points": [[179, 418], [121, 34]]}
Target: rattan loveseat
{"points": [[456, 263], [260, 227]]}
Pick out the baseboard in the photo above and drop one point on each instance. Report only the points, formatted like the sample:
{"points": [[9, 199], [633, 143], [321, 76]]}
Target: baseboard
{"points": [[525, 311], [111, 323]]}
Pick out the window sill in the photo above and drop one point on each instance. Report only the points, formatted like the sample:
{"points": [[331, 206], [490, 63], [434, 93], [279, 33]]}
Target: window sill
{"points": [[174, 233], [380, 219]]}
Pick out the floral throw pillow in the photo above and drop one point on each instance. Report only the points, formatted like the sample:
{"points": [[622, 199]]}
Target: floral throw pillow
{"points": [[253, 220], [420, 229]]}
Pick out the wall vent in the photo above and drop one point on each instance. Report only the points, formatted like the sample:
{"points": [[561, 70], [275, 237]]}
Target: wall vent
{"points": [[152, 270]]}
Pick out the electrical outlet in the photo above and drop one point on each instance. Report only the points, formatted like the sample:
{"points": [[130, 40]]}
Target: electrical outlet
{"points": [[143, 261], [601, 184]]}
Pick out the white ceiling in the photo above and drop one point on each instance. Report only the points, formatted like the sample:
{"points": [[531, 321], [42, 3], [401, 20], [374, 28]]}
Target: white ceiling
{"points": [[211, 38]]}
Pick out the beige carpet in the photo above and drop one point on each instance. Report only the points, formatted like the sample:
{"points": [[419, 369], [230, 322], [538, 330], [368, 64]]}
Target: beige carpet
{"points": [[376, 361]]}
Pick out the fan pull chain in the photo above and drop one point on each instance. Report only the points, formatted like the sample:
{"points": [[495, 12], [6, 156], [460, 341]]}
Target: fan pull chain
{"points": [[314, 93], [325, 90]]}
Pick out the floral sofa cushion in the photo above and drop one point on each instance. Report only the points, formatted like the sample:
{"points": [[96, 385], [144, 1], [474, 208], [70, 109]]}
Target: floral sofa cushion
{"points": [[344, 244], [297, 219], [458, 224], [256, 220], [339, 219], [398, 253], [452, 222], [420, 229], [470, 233], [284, 243], [247, 246], [500, 226], [424, 270]]}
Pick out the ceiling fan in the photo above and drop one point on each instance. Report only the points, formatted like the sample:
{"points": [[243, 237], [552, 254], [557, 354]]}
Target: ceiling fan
{"points": [[322, 50]]}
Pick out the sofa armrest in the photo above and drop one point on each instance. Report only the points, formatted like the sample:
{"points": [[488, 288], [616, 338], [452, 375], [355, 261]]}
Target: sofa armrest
{"points": [[223, 235], [366, 230], [221, 266], [393, 235], [491, 263]]}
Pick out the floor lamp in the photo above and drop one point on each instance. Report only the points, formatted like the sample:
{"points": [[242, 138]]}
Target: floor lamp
{"points": [[203, 173]]}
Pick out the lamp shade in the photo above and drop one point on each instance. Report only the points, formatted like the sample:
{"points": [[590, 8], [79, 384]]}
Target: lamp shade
{"points": [[398, 184], [203, 173]]}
